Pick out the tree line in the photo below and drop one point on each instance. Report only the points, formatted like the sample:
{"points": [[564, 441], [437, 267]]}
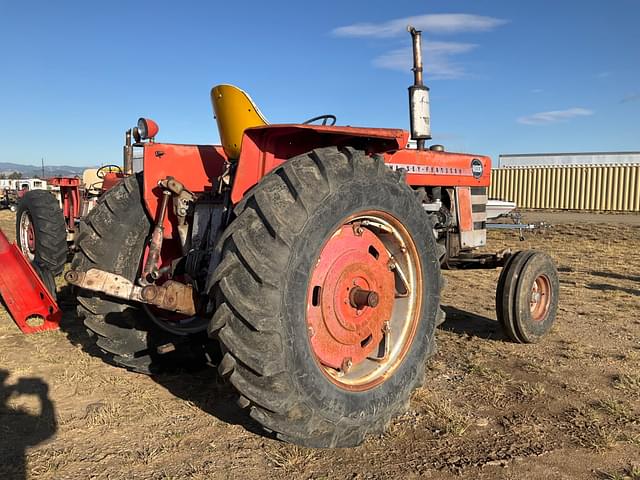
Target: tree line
{"points": [[11, 176]]}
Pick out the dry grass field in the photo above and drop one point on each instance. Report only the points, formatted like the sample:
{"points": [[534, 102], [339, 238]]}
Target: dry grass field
{"points": [[567, 408]]}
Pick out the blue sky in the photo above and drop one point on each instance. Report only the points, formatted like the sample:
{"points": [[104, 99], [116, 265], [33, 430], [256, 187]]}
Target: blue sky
{"points": [[505, 76]]}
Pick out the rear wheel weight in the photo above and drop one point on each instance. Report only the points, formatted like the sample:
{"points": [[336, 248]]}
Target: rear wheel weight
{"points": [[302, 389], [363, 305]]}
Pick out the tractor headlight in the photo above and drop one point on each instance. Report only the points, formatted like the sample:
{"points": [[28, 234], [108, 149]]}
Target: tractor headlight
{"points": [[147, 128]]}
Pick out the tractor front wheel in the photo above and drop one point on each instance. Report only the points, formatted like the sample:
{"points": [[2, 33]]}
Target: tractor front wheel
{"points": [[527, 296], [327, 296]]}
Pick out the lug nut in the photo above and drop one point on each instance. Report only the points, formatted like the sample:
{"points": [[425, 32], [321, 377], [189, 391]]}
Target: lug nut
{"points": [[347, 363]]}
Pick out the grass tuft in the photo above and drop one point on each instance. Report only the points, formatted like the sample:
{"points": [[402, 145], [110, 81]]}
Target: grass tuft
{"points": [[290, 458], [631, 472], [627, 383]]}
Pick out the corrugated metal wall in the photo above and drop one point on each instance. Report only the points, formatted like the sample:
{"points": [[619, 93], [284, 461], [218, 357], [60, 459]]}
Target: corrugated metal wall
{"points": [[602, 188]]}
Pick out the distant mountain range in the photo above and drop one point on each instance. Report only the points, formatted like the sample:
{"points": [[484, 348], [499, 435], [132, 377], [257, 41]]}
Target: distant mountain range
{"points": [[33, 170]]}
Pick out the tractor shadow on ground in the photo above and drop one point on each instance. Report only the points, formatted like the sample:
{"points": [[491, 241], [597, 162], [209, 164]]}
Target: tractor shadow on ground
{"points": [[71, 324], [607, 287], [469, 323], [206, 390], [20, 427], [615, 275], [202, 386]]}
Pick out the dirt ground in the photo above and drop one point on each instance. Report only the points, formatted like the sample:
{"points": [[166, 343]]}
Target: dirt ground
{"points": [[559, 216], [567, 408]]}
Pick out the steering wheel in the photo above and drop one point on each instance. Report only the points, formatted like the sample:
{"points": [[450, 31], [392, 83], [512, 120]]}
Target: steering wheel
{"points": [[324, 118], [102, 171]]}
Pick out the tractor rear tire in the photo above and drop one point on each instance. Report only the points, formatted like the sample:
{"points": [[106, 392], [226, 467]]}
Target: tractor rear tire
{"points": [[41, 231], [287, 260], [112, 238]]}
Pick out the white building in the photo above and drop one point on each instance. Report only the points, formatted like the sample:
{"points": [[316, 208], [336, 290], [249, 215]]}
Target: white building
{"points": [[19, 184], [569, 159]]}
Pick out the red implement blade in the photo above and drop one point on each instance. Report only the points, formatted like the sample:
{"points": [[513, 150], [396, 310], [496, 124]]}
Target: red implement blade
{"points": [[25, 296]]}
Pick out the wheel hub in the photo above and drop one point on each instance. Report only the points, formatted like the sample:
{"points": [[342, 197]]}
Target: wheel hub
{"points": [[351, 297], [360, 298], [31, 238], [540, 298]]}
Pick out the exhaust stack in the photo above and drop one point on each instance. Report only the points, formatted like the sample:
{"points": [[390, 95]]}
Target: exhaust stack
{"points": [[128, 154], [419, 110]]}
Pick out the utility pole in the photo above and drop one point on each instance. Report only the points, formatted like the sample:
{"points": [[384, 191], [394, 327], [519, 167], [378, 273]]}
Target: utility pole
{"points": [[42, 159]]}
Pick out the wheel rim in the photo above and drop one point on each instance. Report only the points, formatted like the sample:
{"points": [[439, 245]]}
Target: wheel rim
{"points": [[27, 236], [364, 300], [540, 298]]}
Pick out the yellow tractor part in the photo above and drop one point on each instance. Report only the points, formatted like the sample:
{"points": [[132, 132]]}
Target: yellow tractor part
{"points": [[234, 112]]}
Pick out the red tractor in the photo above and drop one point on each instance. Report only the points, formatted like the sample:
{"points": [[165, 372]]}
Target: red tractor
{"points": [[46, 220], [310, 254], [8, 199]]}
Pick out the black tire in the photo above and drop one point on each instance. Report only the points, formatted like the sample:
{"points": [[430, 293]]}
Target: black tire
{"points": [[112, 238], [505, 292], [49, 229], [531, 329], [260, 288], [47, 278], [514, 294]]}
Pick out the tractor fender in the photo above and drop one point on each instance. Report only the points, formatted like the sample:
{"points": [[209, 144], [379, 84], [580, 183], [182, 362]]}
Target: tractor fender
{"points": [[266, 147]]}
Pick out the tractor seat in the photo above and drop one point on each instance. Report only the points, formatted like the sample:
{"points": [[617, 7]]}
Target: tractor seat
{"points": [[234, 112], [92, 183]]}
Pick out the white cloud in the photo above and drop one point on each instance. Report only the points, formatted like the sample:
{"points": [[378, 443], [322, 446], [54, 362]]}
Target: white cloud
{"points": [[437, 64], [544, 118], [537, 90], [435, 23]]}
